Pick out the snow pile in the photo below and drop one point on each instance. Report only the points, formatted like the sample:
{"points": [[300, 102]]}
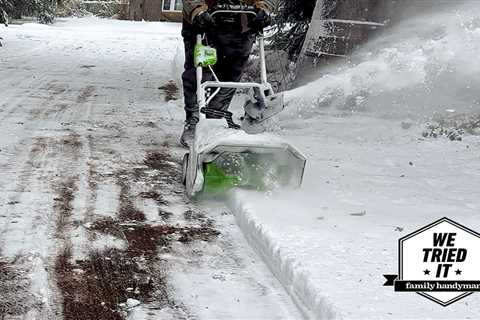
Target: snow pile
{"points": [[426, 64], [330, 243], [212, 133], [371, 178], [291, 274]]}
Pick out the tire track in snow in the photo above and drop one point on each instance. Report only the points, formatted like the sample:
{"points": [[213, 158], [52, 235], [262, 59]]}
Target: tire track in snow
{"points": [[16, 298], [110, 272], [30, 222], [37, 161], [15, 100], [98, 285], [155, 232]]}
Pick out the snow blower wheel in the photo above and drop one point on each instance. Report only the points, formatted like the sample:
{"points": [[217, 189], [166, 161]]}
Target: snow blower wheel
{"points": [[184, 169]]}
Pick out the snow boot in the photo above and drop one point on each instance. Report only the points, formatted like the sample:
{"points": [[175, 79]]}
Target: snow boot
{"points": [[188, 134]]}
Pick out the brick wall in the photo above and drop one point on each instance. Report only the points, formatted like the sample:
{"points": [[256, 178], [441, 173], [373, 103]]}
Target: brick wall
{"points": [[151, 10]]}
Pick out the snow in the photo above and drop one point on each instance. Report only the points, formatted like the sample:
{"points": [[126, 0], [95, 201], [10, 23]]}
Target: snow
{"points": [[80, 108], [220, 281], [132, 303], [370, 179], [331, 259], [78, 75], [406, 71], [212, 133], [214, 136]]}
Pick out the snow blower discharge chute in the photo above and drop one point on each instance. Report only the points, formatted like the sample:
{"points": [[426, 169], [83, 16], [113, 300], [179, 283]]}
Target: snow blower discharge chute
{"points": [[221, 157]]}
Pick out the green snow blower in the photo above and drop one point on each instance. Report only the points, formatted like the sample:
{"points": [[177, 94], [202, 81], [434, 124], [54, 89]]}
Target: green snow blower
{"points": [[222, 158]]}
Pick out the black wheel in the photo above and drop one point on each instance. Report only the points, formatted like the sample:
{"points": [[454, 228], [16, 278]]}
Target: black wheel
{"points": [[184, 169]]}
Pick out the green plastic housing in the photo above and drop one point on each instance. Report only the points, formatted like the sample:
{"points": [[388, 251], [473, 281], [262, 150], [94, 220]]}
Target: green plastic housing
{"points": [[204, 56], [247, 170]]}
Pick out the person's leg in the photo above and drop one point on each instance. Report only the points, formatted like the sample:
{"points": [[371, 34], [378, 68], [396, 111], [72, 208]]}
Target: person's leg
{"points": [[189, 76], [189, 86], [233, 52]]}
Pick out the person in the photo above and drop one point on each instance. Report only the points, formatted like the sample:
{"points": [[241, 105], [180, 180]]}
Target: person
{"points": [[233, 39]]}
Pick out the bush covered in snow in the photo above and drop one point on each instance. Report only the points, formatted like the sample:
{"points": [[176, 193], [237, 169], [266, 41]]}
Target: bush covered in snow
{"points": [[43, 10], [293, 20], [81, 8], [71, 8], [453, 127]]}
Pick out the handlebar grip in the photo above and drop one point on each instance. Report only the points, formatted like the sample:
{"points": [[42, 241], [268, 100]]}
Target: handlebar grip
{"points": [[235, 8]]}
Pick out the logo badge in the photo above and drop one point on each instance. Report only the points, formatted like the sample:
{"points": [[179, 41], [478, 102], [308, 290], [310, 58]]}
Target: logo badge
{"points": [[440, 261]]}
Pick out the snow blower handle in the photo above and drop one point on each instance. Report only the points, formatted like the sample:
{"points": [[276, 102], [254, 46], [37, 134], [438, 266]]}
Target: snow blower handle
{"points": [[251, 10], [261, 40], [225, 8], [263, 89]]}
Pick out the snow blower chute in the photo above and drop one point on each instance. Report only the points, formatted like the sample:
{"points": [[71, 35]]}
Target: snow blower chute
{"points": [[221, 157]]}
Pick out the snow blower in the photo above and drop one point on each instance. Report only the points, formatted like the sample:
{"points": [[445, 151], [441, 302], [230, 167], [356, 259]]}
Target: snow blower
{"points": [[224, 157]]}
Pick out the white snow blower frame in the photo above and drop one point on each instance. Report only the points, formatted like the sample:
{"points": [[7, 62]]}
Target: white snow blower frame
{"points": [[222, 158]]}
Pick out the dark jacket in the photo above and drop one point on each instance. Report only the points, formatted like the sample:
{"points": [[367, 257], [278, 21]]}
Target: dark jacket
{"points": [[193, 7]]}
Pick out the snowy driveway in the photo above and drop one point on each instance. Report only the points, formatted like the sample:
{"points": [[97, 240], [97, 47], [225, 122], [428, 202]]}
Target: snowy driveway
{"points": [[93, 219]]}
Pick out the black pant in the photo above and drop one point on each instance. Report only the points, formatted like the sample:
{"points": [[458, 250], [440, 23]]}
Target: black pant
{"points": [[233, 51]]}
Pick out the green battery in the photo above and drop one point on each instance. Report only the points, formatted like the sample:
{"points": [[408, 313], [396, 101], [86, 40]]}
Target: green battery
{"points": [[204, 56]]}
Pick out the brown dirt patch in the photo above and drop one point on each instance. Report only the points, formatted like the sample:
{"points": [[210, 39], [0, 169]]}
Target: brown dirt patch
{"points": [[190, 215], [39, 145], [108, 226], [165, 215], [92, 176], [171, 90], [127, 212], [96, 287], [145, 239], [15, 296], [154, 196], [64, 204], [168, 166], [159, 160], [85, 93], [203, 233], [72, 140], [56, 88]]}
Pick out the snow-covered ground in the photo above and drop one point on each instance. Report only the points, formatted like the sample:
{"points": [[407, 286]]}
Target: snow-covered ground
{"points": [[90, 193], [93, 217], [372, 177]]}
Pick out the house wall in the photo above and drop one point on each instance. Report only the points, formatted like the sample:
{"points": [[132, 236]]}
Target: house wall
{"points": [[171, 16], [151, 10], [327, 39]]}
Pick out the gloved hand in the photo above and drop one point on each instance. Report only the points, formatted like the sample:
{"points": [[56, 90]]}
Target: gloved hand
{"points": [[261, 21], [204, 21]]}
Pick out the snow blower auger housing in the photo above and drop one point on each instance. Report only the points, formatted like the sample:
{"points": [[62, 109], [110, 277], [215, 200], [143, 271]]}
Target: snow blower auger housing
{"points": [[222, 157]]}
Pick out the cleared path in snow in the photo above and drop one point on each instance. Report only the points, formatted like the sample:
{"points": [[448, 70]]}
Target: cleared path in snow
{"points": [[91, 209]]}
